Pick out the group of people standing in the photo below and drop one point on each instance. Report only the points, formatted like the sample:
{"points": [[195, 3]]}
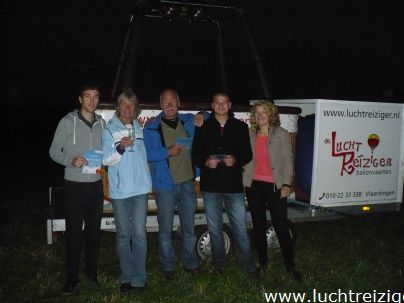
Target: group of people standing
{"points": [[231, 160]]}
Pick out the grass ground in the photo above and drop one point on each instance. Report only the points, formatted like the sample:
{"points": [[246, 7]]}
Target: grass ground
{"points": [[356, 253]]}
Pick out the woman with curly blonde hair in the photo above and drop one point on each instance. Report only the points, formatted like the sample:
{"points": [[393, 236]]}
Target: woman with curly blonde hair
{"points": [[270, 109], [267, 180]]}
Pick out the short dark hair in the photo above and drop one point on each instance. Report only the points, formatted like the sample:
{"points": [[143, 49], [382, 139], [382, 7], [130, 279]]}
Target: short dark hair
{"points": [[221, 94], [89, 87]]}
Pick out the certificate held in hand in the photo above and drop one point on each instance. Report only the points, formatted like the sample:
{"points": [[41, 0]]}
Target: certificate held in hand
{"points": [[94, 159], [184, 141]]}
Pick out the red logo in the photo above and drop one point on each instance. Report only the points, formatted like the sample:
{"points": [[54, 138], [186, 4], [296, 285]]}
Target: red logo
{"points": [[351, 158]]}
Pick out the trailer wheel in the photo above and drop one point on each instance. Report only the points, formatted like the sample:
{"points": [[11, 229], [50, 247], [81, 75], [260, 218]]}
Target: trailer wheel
{"points": [[203, 245], [272, 238]]}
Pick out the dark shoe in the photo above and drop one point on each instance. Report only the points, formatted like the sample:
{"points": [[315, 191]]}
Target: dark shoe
{"points": [[138, 288], [296, 275], [93, 281], [193, 271], [263, 267], [125, 287], [169, 275], [217, 271], [68, 287], [254, 275]]}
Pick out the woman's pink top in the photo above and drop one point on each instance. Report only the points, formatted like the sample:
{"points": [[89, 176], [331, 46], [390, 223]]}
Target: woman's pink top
{"points": [[262, 167]]}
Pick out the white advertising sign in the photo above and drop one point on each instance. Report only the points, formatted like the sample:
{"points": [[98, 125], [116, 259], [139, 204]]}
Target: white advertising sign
{"points": [[357, 153], [289, 122], [148, 114]]}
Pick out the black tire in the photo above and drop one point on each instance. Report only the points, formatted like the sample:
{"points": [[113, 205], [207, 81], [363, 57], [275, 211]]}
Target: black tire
{"points": [[203, 247], [272, 239]]}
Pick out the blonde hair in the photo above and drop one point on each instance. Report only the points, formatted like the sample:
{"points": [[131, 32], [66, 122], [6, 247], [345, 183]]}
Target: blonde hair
{"points": [[270, 109]]}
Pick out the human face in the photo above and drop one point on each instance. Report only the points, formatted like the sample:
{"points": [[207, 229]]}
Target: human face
{"points": [[261, 117], [221, 105], [89, 100], [126, 111], [169, 103]]}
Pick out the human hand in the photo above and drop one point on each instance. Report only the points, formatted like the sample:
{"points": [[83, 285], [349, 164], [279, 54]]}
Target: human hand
{"points": [[79, 161], [175, 150], [285, 191], [125, 142], [212, 162], [229, 160], [198, 120]]}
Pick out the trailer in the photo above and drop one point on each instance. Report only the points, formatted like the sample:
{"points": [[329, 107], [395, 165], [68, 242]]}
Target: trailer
{"points": [[353, 150], [56, 221], [349, 154]]}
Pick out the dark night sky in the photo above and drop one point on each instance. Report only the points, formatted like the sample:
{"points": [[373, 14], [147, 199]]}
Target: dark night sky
{"points": [[326, 49]]}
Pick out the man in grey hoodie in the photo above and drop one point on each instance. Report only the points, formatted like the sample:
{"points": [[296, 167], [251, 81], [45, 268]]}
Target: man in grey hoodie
{"points": [[78, 132]]}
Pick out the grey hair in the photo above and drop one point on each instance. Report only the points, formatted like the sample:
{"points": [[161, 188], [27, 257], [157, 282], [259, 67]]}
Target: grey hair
{"points": [[171, 90], [128, 95]]}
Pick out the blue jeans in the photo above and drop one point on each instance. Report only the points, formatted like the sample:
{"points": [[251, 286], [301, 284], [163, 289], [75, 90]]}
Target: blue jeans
{"points": [[131, 240], [184, 198], [235, 209]]}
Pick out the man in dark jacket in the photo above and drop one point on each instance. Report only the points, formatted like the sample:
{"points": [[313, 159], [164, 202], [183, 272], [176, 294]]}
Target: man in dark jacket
{"points": [[221, 148]]}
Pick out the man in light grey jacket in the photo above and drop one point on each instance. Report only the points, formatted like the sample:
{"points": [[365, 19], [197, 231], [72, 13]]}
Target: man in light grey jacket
{"points": [[77, 134]]}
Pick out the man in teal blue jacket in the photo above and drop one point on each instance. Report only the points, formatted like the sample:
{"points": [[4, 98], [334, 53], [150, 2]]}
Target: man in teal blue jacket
{"points": [[173, 175], [129, 187]]}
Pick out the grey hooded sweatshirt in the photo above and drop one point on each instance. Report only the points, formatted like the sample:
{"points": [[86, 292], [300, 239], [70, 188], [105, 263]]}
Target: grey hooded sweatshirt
{"points": [[72, 138]]}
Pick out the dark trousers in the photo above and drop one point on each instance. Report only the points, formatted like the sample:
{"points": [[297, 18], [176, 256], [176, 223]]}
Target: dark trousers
{"points": [[83, 202], [262, 195]]}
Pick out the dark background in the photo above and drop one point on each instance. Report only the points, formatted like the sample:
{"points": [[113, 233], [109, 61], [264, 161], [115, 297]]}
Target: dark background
{"points": [[338, 49], [335, 49]]}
